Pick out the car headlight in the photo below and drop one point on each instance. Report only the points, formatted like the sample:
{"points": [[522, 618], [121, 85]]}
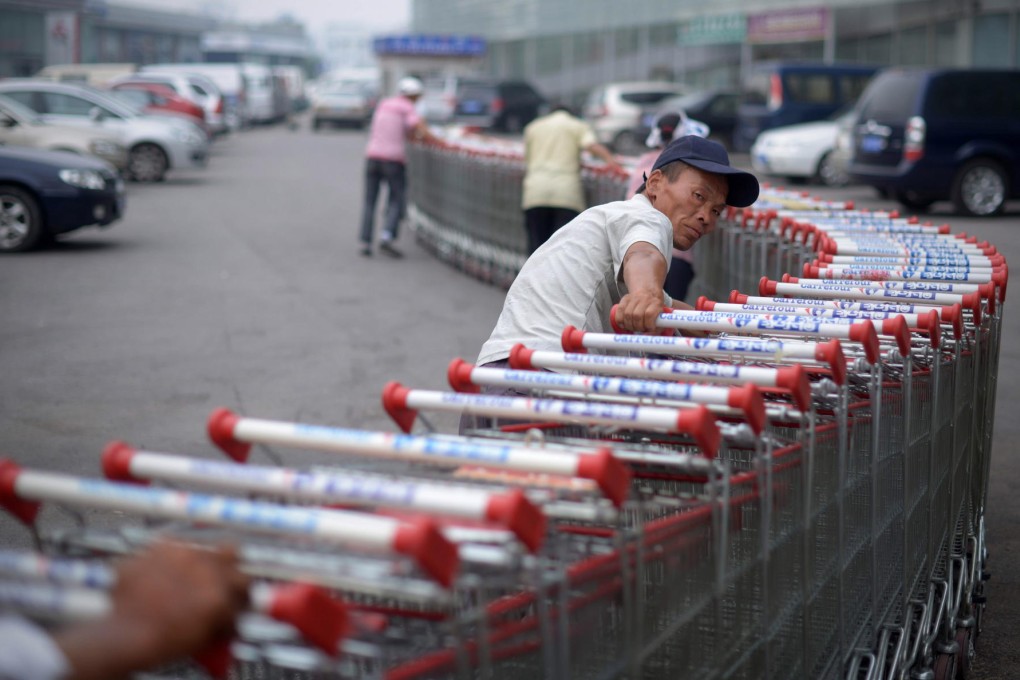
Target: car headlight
{"points": [[102, 147], [83, 179], [189, 136]]}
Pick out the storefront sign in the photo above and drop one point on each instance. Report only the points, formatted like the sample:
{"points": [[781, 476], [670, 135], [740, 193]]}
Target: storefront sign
{"points": [[721, 29], [431, 45], [793, 25], [61, 38]]}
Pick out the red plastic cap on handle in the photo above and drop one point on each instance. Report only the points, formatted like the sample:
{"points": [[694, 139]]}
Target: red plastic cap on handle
{"points": [[953, 315], [831, 354], [572, 340], [766, 288], [321, 620], [611, 476], [930, 322], [943, 228], [972, 301], [703, 304], [988, 292], [864, 333], [738, 298], [26, 511], [116, 462], [827, 258], [394, 401], [422, 540], [458, 373], [898, 329], [749, 400], [794, 378], [216, 659], [829, 245], [520, 357], [514, 511], [700, 424], [220, 427], [612, 322]]}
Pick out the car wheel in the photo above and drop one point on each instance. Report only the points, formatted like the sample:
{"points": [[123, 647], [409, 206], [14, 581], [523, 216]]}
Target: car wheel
{"points": [[913, 200], [980, 188], [147, 163], [21, 224], [831, 173], [627, 143]]}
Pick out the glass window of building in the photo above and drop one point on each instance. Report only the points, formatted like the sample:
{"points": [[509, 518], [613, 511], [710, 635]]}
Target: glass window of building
{"points": [[662, 34], [913, 46], [627, 41], [548, 55], [809, 88], [878, 49], [945, 44], [991, 41]]}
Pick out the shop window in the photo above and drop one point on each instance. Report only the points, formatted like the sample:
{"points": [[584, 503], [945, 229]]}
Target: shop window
{"points": [[991, 41]]}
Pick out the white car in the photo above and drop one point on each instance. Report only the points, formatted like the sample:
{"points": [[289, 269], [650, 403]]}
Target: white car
{"points": [[155, 143], [20, 126], [803, 152], [196, 88], [615, 109]]}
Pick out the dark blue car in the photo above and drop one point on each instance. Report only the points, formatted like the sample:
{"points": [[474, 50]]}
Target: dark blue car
{"points": [[926, 135], [46, 193]]}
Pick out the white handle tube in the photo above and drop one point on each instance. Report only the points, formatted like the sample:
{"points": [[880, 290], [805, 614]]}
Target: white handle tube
{"points": [[54, 602], [235, 435]]}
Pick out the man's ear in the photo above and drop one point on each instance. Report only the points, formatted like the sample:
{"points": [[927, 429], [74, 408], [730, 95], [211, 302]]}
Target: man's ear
{"points": [[653, 181]]}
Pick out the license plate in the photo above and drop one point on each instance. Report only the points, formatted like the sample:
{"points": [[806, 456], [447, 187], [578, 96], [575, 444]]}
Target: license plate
{"points": [[648, 120], [872, 144], [472, 107]]}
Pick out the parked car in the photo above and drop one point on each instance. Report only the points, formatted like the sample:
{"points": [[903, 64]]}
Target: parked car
{"points": [[926, 135], [259, 93], [46, 193], [616, 108], [439, 99], [803, 152], [229, 79], [196, 88], [786, 93], [96, 75], [715, 108], [504, 105], [155, 144], [20, 126], [349, 103], [158, 98], [294, 79]]}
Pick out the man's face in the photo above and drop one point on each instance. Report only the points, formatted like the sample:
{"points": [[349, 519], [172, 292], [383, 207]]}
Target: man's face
{"points": [[693, 202]]}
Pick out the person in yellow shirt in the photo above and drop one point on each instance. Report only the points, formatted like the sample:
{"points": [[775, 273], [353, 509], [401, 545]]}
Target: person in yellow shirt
{"points": [[553, 194]]}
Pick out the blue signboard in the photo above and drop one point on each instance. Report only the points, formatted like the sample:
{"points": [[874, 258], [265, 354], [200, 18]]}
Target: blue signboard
{"points": [[431, 45]]}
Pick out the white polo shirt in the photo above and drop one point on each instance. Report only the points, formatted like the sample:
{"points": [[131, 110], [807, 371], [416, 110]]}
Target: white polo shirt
{"points": [[574, 277]]}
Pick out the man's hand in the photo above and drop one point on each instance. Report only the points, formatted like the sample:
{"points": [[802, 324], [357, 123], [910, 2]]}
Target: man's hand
{"points": [[170, 602], [637, 312]]}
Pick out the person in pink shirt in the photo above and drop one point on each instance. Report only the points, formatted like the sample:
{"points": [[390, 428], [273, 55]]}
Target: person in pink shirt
{"points": [[668, 126], [394, 122]]}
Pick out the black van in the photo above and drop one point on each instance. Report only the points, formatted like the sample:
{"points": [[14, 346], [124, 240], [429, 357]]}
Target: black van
{"points": [[925, 135], [787, 93]]}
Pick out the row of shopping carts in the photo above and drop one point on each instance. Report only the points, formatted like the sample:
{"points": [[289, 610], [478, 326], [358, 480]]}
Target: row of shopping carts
{"points": [[789, 481]]}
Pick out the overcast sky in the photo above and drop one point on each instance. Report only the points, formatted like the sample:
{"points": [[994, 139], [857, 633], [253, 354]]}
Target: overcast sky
{"points": [[375, 14]]}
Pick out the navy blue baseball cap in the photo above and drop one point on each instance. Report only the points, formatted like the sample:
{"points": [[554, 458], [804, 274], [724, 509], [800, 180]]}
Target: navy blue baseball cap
{"points": [[710, 156]]}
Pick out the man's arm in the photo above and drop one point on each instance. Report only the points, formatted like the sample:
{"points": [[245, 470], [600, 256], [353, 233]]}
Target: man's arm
{"points": [[420, 132], [644, 272], [605, 154], [169, 602]]}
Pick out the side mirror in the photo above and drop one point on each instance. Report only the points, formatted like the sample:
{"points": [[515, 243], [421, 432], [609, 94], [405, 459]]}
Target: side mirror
{"points": [[7, 122], [96, 114]]}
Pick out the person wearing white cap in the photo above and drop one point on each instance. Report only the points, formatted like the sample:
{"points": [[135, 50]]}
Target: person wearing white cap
{"points": [[394, 122]]}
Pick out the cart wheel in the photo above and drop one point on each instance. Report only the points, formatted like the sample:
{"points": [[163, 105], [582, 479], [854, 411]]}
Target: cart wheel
{"points": [[945, 666], [965, 655]]}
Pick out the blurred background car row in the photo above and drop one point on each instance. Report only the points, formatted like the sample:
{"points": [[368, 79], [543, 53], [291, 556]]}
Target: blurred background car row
{"points": [[917, 135], [73, 134]]}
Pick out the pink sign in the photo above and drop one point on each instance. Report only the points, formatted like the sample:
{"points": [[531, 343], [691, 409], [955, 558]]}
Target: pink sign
{"points": [[792, 25]]}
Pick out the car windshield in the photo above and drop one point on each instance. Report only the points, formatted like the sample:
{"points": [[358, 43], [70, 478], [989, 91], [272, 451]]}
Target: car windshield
{"points": [[21, 113], [117, 106], [355, 89]]}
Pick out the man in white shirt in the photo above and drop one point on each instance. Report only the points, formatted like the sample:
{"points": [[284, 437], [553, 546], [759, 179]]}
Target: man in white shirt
{"points": [[619, 253]]}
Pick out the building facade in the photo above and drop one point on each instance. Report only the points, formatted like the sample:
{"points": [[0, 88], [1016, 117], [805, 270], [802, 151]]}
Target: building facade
{"points": [[566, 47]]}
